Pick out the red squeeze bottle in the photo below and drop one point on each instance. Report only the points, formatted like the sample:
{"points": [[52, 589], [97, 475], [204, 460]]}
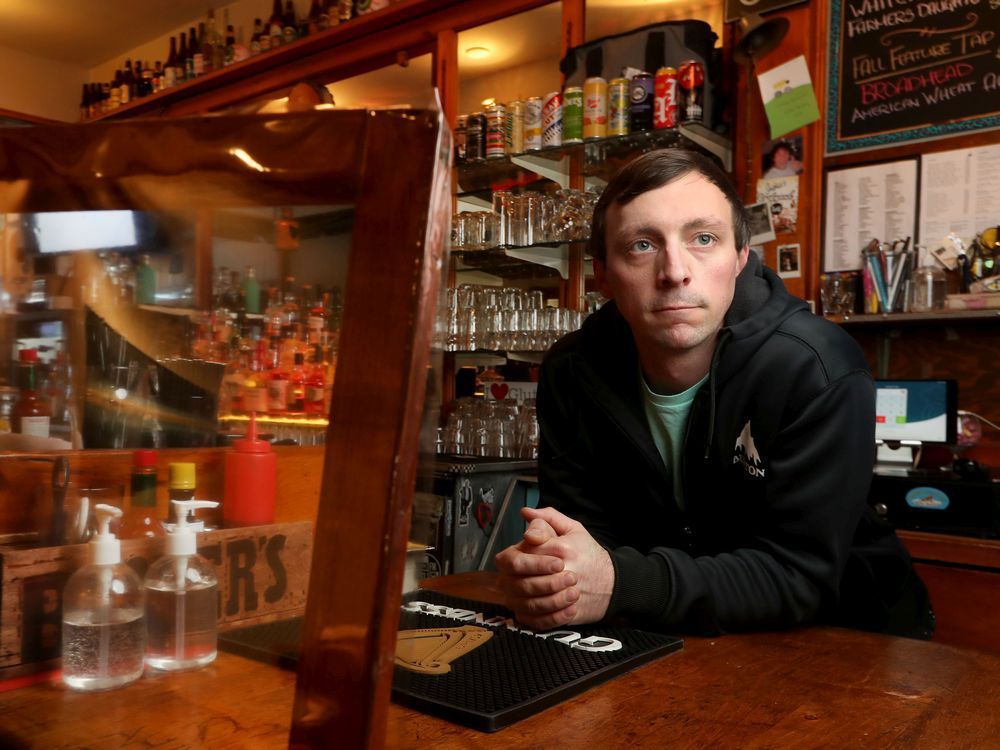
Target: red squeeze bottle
{"points": [[250, 481]]}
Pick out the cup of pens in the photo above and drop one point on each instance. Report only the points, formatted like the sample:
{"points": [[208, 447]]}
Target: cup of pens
{"points": [[886, 273]]}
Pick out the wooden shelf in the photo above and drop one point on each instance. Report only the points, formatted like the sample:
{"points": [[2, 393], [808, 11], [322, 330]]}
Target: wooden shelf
{"points": [[891, 318]]}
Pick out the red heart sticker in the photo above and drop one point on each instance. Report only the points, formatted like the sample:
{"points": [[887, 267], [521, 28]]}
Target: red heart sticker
{"points": [[499, 391]]}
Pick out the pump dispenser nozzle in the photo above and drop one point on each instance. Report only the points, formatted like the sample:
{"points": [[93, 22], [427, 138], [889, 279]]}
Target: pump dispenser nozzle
{"points": [[105, 547], [181, 540]]}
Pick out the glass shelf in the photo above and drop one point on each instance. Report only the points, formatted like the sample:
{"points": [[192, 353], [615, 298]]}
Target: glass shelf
{"points": [[601, 158]]}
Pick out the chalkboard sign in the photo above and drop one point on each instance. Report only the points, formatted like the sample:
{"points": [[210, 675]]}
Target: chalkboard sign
{"points": [[905, 70]]}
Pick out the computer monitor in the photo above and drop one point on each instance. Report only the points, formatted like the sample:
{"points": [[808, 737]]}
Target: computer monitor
{"points": [[916, 412]]}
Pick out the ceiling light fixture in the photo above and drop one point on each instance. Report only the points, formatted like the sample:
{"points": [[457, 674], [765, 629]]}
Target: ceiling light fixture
{"points": [[477, 53], [488, 102]]}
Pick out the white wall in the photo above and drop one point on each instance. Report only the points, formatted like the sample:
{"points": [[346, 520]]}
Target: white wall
{"points": [[40, 87]]}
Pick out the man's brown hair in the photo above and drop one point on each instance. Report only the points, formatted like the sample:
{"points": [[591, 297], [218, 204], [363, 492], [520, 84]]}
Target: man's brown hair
{"points": [[654, 170]]}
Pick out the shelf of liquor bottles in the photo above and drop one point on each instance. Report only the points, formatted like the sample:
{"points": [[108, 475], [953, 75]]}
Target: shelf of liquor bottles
{"points": [[285, 49]]}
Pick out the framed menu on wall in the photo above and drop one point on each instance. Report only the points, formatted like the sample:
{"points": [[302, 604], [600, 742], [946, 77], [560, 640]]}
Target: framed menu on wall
{"points": [[909, 70]]}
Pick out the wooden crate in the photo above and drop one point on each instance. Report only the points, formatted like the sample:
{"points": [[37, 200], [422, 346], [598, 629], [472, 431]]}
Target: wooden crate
{"points": [[263, 576]]}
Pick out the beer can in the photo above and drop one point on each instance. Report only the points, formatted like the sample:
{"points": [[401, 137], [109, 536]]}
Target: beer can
{"points": [[573, 115], [641, 102], [595, 108], [475, 138], [691, 78], [665, 99], [533, 123], [552, 119], [496, 139], [618, 96], [461, 123], [514, 127]]}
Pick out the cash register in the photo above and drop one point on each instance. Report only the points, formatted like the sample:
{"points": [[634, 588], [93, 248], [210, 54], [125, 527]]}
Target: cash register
{"points": [[912, 416]]}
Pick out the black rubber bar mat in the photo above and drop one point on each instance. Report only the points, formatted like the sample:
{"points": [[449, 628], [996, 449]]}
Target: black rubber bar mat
{"points": [[464, 661]]}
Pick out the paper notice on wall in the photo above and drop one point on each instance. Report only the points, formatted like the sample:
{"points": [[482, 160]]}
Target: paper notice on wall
{"points": [[865, 203], [788, 96], [960, 193]]}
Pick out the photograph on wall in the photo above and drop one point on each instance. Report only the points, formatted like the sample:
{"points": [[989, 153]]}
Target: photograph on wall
{"points": [[761, 229], [934, 73], [782, 157], [789, 261], [788, 96], [781, 194]]}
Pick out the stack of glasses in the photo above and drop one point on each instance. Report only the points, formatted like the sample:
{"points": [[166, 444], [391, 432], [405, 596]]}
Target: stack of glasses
{"points": [[492, 429], [502, 319], [525, 219]]}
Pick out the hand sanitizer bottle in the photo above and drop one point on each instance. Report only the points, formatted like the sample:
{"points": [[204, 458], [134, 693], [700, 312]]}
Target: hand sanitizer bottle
{"points": [[103, 633], [181, 595]]}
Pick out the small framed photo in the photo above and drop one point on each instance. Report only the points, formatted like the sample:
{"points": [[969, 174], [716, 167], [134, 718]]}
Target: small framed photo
{"points": [[761, 226], [789, 261]]}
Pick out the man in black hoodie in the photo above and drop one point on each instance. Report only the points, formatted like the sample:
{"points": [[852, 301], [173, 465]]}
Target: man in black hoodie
{"points": [[707, 442]]}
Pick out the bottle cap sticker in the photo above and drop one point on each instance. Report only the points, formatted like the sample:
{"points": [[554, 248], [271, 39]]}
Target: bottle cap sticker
{"points": [[927, 498]]}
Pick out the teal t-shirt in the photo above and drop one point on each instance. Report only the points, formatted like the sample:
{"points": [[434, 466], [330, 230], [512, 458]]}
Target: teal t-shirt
{"points": [[667, 416]]}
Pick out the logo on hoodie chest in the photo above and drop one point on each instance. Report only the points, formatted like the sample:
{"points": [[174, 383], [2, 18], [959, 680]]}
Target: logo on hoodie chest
{"points": [[745, 453]]}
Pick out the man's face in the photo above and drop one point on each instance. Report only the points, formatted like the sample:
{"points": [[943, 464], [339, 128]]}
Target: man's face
{"points": [[781, 157], [671, 264]]}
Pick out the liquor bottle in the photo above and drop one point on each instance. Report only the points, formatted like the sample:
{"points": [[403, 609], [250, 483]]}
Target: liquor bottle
{"points": [[145, 283], [170, 71], [318, 318], [228, 54], [231, 390], [345, 10], [274, 25], [251, 292], [297, 384], [30, 415], [313, 18], [188, 56], [277, 381], [128, 83], [158, 76], [116, 85], [324, 15], [290, 311], [208, 43], [255, 39], [219, 50], [197, 52], [289, 24], [140, 520], [253, 394], [315, 389]]}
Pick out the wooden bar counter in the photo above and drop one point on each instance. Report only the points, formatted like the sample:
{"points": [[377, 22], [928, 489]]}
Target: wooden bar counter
{"points": [[807, 688]]}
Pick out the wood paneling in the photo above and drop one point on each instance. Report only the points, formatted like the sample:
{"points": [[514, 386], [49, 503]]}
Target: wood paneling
{"points": [[370, 467]]}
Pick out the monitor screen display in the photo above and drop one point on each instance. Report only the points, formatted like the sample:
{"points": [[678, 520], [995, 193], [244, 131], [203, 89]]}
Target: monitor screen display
{"points": [[68, 231], [923, 411]]}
